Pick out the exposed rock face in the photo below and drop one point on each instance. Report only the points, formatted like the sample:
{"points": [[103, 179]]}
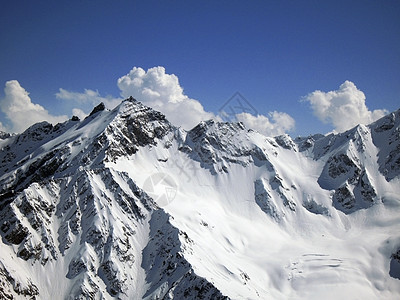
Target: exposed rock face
{"points": [[348, 169], [4, 135], [10, 286], [386, 136], [97, 109], [395, 265]]}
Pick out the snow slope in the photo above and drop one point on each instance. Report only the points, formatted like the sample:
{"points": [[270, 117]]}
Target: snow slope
{"points": [[125, 205]]}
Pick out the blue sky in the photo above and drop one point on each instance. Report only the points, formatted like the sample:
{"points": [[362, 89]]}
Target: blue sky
{"points": [[274, 53]]}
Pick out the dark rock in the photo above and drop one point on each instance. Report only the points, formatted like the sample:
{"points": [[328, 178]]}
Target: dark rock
{"points": [[4, 135], [285, 142], [394, 270], [343, 199], [98, 108], [17, 235]]}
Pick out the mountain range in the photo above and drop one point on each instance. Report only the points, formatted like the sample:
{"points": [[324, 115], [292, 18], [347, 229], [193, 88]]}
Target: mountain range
{"points": [[125, 205]]}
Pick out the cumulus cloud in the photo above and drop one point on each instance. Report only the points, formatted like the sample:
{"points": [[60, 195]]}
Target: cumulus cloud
{"points": [[153, 86], [21, 111], [343, 108], [276, 123], [163, 92]]}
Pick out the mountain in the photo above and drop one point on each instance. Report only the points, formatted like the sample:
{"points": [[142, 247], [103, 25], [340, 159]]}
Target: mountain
{"points": [[124, 205]]}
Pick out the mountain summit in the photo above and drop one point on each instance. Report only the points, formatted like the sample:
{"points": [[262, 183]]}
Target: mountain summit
{"points": [[125, 205]]}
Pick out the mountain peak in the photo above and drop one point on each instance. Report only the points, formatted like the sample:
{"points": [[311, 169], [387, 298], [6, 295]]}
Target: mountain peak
{"points": [[98, 108], [4, 135]]}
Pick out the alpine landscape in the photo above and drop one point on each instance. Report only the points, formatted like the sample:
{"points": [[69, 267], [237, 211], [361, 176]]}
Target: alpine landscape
{"points": [[125, 205]]}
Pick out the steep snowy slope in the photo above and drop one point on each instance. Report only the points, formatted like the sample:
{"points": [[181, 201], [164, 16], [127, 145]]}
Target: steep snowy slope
{"points": [[125, 205], [73, 228]]}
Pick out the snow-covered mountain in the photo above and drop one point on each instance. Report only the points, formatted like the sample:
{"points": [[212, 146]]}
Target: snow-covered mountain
{"points": [[125, 205]]}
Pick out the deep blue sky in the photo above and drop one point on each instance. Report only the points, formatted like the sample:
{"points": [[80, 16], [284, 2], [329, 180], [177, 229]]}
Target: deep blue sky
{"points": [[272, 52]]}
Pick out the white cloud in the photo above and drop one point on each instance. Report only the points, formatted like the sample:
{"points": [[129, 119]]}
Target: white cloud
{"points": [[88, 97], [2, 127], [21, 111], [153, 86], [163, 92], [278, 122], [343, 108], [79, 113]]}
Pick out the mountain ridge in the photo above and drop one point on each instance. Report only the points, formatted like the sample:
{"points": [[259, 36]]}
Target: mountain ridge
{"points": [[124, 204]]}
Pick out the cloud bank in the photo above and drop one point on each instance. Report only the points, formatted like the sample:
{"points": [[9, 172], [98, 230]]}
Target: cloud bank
{"points": [[154, 88], [343, 108], [21, 111], [163, 92]]}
